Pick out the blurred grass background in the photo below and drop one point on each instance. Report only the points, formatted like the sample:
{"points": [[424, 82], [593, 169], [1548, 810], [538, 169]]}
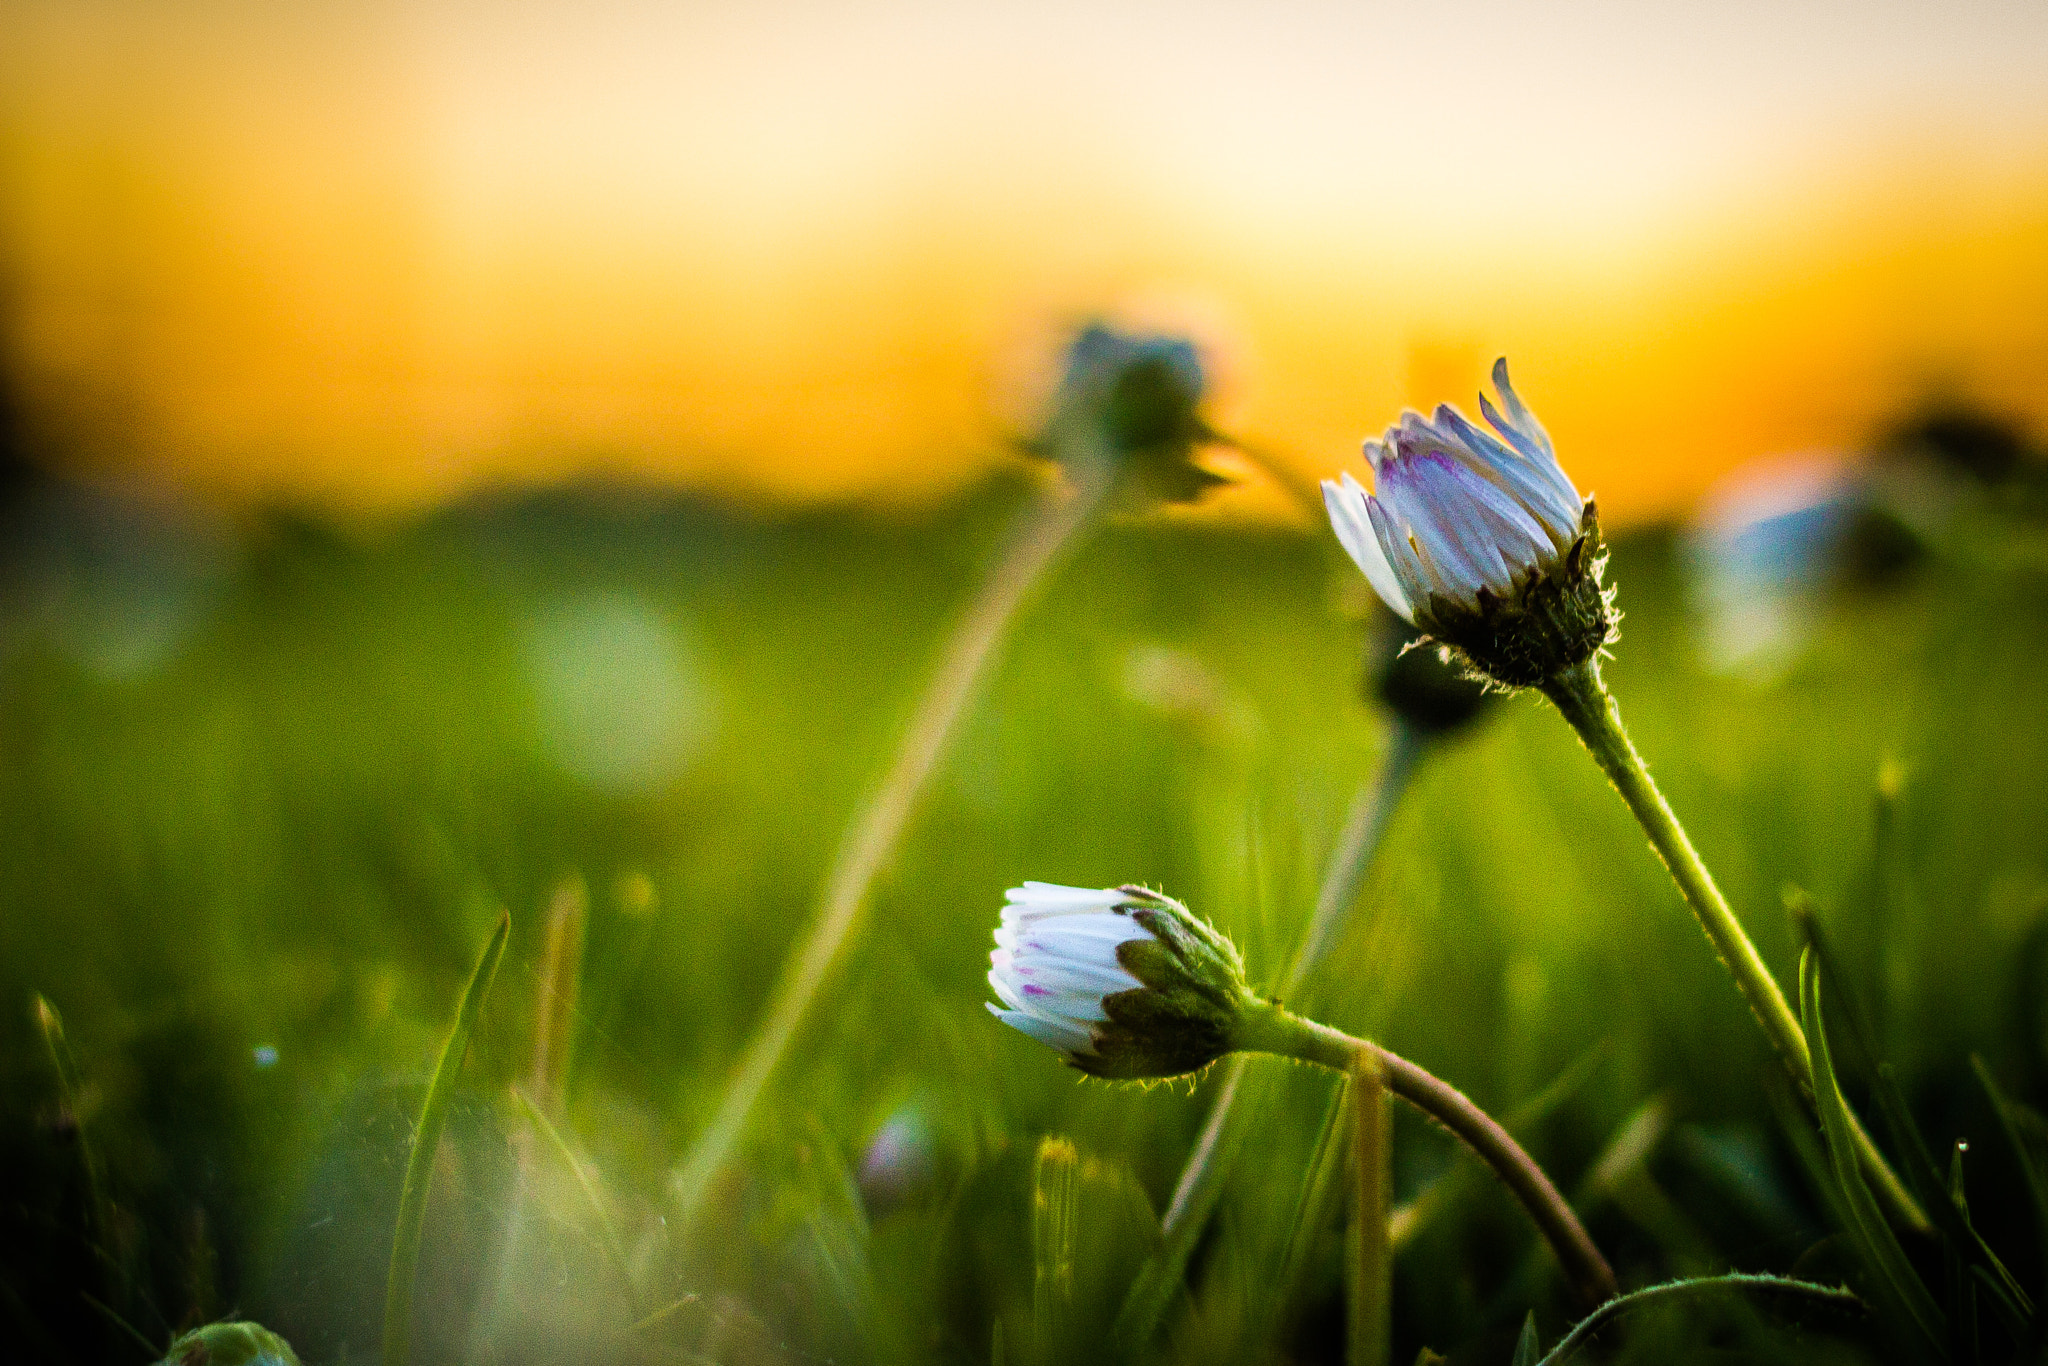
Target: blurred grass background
{"points": [[265, 784]]}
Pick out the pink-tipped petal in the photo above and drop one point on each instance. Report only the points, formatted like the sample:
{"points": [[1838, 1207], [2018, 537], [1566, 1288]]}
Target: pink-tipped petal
{"points": [[1056, 1034]]}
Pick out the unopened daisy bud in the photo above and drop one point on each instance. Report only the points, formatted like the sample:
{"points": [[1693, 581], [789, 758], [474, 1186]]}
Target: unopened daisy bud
{"points": [[1124, 982], [231, 1344], [1134, 399], [1480, 540], [1415, 680]]}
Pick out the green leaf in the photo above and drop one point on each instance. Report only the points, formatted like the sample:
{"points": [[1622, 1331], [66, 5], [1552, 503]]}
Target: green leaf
{"points": [[1873, 1237]]}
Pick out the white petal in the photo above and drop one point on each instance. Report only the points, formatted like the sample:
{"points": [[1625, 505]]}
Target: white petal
{"points": [[1415, 492], [1346, 503], [1459, 513], [1051, 896], [1080, 935], [1524, 420], [1061, 975], [1005, 990], [1552, 501], [1066, 1038], [1415, 581], [1079, 1007], [1516, 540]]}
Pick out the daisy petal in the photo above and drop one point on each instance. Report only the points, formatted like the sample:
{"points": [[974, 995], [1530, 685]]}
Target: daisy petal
{"points": [[1350, 519]]}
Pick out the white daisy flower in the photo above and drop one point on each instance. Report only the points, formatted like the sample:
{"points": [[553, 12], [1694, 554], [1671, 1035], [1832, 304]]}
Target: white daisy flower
{"points": [[1479, 538], [1123, 982]]}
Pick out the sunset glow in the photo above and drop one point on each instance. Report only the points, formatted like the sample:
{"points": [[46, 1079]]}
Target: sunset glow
{"points": [[381, 256]]}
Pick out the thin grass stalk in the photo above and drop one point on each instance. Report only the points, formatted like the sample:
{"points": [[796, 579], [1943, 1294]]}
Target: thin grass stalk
{"points": [[1371, 1256], [426, 1142], [51, 1025], [561, 976], [1372, 809], [608, 1235], [1049, 529], [1591, 710]]}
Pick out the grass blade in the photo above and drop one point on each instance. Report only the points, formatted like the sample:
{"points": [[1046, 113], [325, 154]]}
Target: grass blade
{"points": [[1055, 1222], [1371, 1256], [2030, 1174], [1312, 1197], [1873, 1236], [419, 1167], [1942, 1198]]}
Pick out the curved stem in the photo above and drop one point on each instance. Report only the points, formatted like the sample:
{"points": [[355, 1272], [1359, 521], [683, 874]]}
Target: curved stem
{"points": [[1763, 1287], [1272, 1029], [878, 826], [1587, 704]]}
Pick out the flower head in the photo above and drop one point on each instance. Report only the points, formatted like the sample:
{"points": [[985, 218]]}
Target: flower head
{"points": [[1125, 982], [1480, 539]]}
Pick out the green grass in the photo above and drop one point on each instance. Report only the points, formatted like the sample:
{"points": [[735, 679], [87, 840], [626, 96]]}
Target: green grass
{"points": [[289, 832]]}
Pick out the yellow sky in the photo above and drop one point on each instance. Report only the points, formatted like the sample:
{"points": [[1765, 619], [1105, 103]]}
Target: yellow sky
{"points": [[382, 253]]}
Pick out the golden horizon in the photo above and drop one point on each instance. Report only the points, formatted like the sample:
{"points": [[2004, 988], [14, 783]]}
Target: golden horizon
{"points": [[408, 275]]}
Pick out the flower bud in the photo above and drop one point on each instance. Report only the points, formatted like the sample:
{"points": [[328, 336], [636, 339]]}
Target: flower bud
{"points": [[1123, 982], [237, 1343], [1134, 399], [1480, 540], [1414, 678]]}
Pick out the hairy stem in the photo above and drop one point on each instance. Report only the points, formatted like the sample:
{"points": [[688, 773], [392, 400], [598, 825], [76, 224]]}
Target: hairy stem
{"points": [[1273, 1029], [1587, 704], [878, 825]]}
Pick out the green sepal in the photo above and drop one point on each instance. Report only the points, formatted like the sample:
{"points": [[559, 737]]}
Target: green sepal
{"points": [[1186, 1013]]}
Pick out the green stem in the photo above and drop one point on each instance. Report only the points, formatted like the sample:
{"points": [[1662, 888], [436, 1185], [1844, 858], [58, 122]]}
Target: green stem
{"points": [[1372, 810], [1587, 704], [878, 826], [1797, 1293], [1270, 1028]]}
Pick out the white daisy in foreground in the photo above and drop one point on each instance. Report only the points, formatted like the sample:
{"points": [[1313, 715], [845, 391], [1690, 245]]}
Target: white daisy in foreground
{"points": [[1124, 982], [1479, 539]]}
